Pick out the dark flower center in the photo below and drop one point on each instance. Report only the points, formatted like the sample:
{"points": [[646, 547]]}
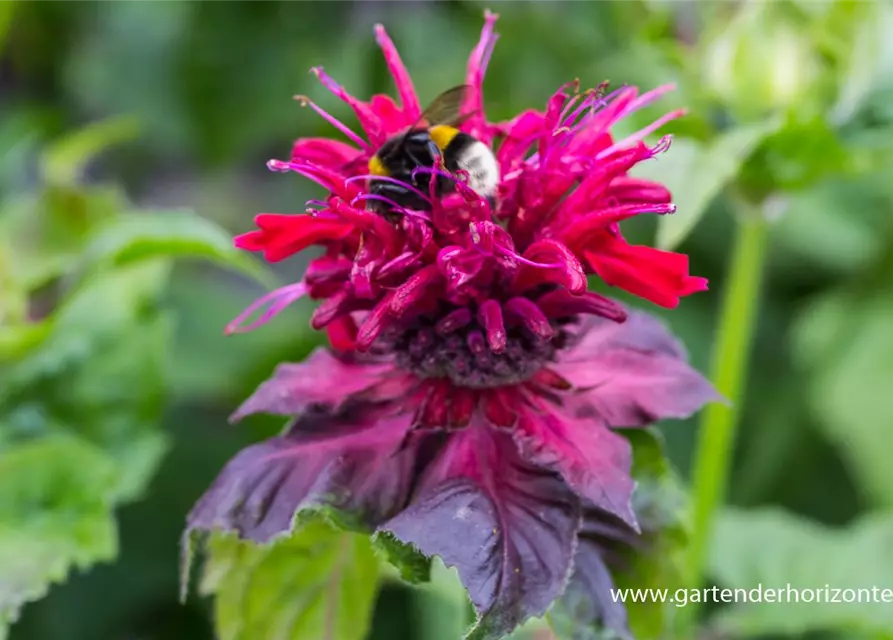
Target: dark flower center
{"points": [[465, 358]]}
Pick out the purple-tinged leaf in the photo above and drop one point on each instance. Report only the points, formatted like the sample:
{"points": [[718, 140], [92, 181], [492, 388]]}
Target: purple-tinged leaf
{"points": [[351, 463], [322, 381], [593, 459], [587, 610], [633, 373], [508, 527]]}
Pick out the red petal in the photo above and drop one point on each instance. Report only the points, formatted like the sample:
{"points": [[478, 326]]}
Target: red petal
{"points": [[282, 235], [498, 409], [402, 80], [331, 154], [570, 275], [343, 333], [659, 276], [392, 118]]}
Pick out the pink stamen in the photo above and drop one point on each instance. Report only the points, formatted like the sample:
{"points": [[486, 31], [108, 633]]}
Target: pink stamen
{"points": [[570, 103], [641, 134], [646, 99], [322, 176], [593, 103], [390, 180], [531, 263], [335, 122], [401, 210], [370, 122], [280, 299]]}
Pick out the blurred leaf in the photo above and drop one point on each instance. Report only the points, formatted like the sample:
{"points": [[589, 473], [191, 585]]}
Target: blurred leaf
{"points": [[844, 340], [773, 549], [148, 234], [17, 341], [92, 318], [760, 60], [96, 369], [316, 583], [13, 299], [21, 128], [49, 231], [859, 72], [414, 567], [63, 163], [832, 226], [211, 366], [696, 173], [442, 604], [798, 154], [7, 7], [55, 514]]}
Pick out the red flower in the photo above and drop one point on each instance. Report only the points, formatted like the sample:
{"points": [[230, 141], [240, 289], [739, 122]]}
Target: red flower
{"points": [[473, 404], [564, 188]]}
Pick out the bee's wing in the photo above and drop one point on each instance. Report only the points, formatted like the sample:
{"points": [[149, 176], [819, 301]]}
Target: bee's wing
{"points": [[445, 108]]}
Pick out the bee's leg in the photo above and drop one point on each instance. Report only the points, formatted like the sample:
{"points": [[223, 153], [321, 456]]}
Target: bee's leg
{"points": [[402, 196], [435, 153], [444, 183]]}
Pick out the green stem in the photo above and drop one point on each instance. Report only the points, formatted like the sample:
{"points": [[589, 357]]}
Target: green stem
{"points": [[731, 358]]}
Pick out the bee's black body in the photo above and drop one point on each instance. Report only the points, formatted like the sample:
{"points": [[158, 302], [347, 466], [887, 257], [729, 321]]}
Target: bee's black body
{"points": [[392, 166], [401, 155]]}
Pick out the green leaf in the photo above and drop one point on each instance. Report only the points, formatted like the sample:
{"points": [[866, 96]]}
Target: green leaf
{"points": [[773, 549], [696, 173], [413, 566], [844, 340], [796, 155], [830, 227], [48, 233], [13, 297], [857, 75], [55, 514], [96, 369], [64, 162], [91, 318], [6, 11], [148, 234], [317, 583]]}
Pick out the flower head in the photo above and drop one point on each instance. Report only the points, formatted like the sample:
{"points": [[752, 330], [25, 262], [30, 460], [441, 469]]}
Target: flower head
{"points": [[471, 401]]}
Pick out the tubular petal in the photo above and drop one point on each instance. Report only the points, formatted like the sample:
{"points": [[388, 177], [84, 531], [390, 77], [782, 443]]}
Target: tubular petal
{"points": [[490, 316], [405, 89]]}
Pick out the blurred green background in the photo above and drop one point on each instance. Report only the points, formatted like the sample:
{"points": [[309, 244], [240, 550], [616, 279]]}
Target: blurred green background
{"points": [[206, 88]]}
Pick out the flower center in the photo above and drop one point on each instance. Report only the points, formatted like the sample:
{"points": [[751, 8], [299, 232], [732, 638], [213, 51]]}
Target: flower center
{"points": [[465, 358]]}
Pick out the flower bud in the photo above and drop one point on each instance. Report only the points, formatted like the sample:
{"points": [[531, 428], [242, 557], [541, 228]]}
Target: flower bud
{"points": [[761, 62]]}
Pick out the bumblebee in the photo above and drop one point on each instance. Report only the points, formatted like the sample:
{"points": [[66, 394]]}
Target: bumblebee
{"points": [[433, 140]]}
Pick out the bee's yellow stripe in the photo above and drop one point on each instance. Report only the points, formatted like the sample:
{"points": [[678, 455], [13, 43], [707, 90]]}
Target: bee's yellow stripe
{"points": [[376, 167], [442, 135]]}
